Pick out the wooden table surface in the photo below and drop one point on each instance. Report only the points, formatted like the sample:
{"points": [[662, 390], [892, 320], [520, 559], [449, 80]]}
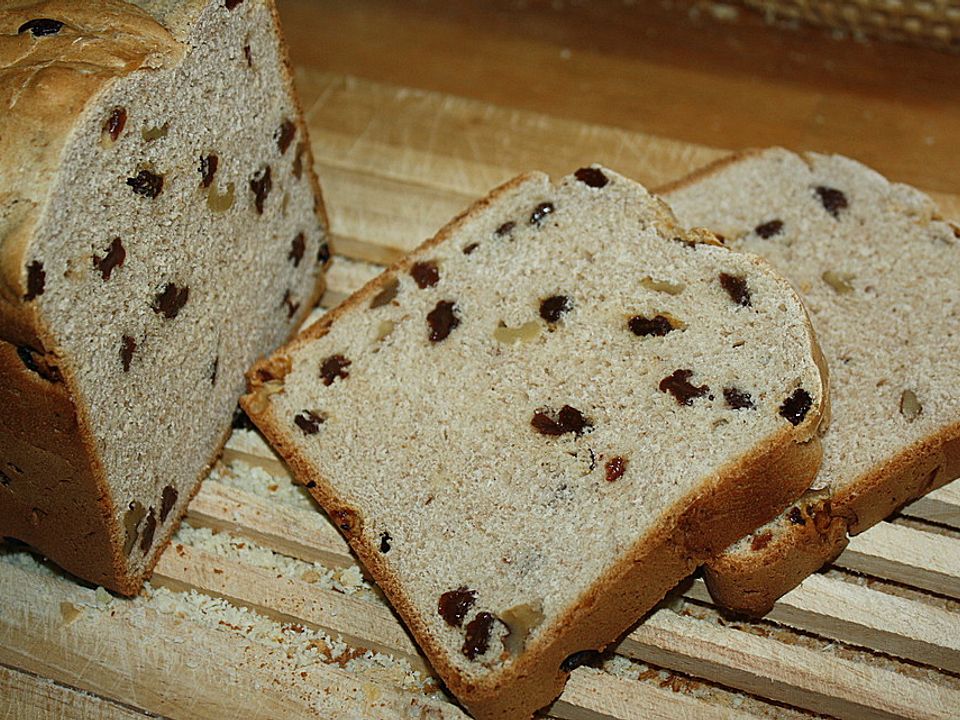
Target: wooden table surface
{"points": [[673, 71], [415, 108]]}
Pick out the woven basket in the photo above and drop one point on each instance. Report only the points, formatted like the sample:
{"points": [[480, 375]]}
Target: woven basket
{"points": [[934, 23]]}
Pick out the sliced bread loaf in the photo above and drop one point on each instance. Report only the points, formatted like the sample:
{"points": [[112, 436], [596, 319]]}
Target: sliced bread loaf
{"points": [[880, 272], [160, 229], [536, 424]]}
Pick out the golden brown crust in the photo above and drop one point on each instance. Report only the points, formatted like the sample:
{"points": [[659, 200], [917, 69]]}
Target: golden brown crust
{"points": [[53, 500], [751, 585], [736, 500]]}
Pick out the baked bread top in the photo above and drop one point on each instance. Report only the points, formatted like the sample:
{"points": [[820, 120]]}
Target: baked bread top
{"points": [[503, 422]]}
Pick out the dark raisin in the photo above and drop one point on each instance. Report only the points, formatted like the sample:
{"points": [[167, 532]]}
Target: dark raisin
{"points": [[26, 357], [658, 325], [833, 200], [309, 422], [577, 659], [760, 541], [554, 306], [615, 467], [385, 542], [39, 363], [738, 399], [345, 519], [540, 212], [260, 185], [241, 421], [477, 637], [736, 287], [115, 122], [568, 420], [36, 280], [591, 177], [167, 500], [40, 27], [795, 516], [425, 274], [248, 55], [769, 229], [454, 605], [442, 320], [214, 367], [334, 367], [208, 168], [389, 292], [796, 406], [297, 247], [127, 347], [470, 248], [149, 528], [679, 385], [505, 229], [232, 4], [292, 306], [284, 134], [297, 167], [170, 301], [131, 522], [115, 255], [146, 183], [5, 479], [323, 253]]}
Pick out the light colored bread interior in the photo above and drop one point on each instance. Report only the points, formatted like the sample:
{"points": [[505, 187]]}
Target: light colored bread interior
{"points": [[157, 299], [880, 273], [425, 452]]}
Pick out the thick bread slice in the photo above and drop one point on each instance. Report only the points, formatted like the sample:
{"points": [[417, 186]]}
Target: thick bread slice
{"points": [[541, 420], [160, 229], [880, 272]]}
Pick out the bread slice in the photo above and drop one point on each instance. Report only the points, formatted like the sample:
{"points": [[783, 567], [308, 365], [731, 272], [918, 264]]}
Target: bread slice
{"points": [[537, 423], [160, 229], [880, 272]]}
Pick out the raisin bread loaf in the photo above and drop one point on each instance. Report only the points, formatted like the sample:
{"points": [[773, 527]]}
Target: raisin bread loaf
{"points": [[535, 425], [160, 229], [880, 272]]}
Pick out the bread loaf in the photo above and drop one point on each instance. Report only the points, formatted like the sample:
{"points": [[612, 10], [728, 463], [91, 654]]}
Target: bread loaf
{"points": [[536, 424], [880, 272], [160, 228]]}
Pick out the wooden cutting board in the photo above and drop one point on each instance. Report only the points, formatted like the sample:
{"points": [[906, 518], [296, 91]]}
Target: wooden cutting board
{"points": [[395, 164]]}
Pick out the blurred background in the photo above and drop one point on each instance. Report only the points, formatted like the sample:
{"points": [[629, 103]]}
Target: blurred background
{"points": [[878, 80]]}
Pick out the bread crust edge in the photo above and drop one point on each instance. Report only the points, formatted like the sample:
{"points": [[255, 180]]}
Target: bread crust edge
{"points": [[733, 502]]}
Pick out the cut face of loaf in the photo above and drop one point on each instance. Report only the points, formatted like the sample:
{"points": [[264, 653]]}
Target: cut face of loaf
{"points": [[160, 229], [880, 273], [537, 423]]}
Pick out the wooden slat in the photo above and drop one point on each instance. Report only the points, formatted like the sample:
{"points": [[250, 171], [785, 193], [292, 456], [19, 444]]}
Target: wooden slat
{"points": [[811, 679], [361, 624], [941, 506], [367, 625], [594, 695], [131, 653], [26, 696], [902, 554], [303, 535], [858, 615]]}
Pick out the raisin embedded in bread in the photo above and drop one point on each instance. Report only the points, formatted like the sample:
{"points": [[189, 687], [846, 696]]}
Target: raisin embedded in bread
{"points": [[160, 229], [880, 273], [536, 424]]}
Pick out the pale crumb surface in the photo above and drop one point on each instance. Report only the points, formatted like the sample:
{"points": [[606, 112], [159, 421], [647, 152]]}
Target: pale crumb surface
{"points": [[880, 275], [432, 442], [157, 378]]}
